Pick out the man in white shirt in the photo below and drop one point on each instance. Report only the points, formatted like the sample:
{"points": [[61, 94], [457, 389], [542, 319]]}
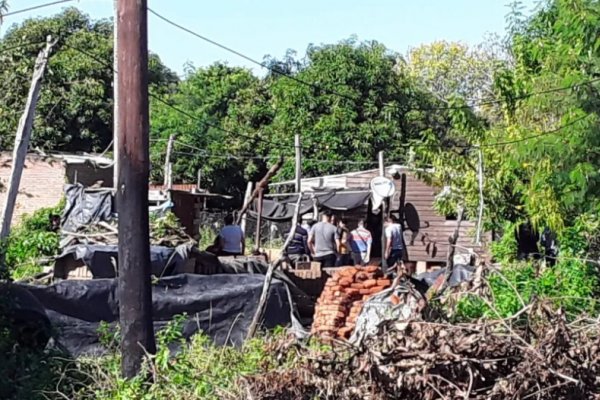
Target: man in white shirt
{"points": [[394, 242], [231, 238]]}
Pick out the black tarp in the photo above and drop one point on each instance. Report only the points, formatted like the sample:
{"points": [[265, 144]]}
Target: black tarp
{"points": [[460, 273], [222, 306], [282, 208], [85, 206], [98, 258]]}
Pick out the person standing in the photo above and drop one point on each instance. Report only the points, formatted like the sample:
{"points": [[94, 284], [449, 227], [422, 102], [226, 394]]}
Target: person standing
{"points": [[344, 257], [394, 245], [323, 241], [361, 241], [231, 238], [298, 247]]}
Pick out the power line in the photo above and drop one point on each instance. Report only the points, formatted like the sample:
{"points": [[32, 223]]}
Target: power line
{"points": [[7, 49], [35, 7], [546, 133], [472, 102], [408, 145]]}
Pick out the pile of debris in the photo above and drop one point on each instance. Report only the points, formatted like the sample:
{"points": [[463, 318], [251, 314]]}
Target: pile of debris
{"points": [[538, 355], [164, 231], [342, 299]]}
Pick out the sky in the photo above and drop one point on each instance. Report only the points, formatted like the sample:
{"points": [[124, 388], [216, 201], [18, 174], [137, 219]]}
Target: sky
{"points": [[270, 27]]}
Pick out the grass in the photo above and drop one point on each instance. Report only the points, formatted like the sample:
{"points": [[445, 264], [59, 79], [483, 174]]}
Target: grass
{"points": [[196, 370]]}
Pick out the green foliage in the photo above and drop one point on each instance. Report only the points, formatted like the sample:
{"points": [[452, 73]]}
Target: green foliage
{"points": [[572, 284], [74, 111], [31, 239], [196, 370]]}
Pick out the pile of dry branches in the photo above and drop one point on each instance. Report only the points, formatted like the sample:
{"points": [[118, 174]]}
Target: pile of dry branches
{"points": [[535, 355], [164, 231]]}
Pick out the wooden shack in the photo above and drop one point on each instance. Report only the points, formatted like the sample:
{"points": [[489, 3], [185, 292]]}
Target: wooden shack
{"points": [[426, 231]]}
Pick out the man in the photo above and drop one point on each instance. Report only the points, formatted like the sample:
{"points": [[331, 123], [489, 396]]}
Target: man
{"points": [[231, 238], [298, 247], [393, 241], [344, 257], [323, 241], [360, 243]]}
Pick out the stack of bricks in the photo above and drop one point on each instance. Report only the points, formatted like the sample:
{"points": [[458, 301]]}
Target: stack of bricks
{"points": [[342, 299]]}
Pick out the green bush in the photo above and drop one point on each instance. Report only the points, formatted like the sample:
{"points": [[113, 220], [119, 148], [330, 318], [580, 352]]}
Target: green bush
{"points": [[572, 284], [197, 370], [31, 239]]}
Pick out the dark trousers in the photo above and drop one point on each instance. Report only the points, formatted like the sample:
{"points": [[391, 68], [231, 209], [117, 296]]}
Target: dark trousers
{"points": [[395, 256], [327, 261], [344, 260]]}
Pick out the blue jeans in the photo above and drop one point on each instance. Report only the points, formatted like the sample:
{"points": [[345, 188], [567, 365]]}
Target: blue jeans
{"points": [[394, 257]]}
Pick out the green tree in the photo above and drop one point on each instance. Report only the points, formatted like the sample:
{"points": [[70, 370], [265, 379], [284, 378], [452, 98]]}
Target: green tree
{"points": [[74, 111], [216, 113], [359, 103]]}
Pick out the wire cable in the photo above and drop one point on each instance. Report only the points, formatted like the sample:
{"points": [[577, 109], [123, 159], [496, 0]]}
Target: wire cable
{"points": [[8, 14], [471, 102]]}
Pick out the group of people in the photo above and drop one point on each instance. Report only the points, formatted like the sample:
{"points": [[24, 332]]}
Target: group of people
{"points": [[331, 243], [328, 241]]}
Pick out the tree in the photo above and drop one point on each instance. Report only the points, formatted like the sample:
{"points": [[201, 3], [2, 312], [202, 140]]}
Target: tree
{"points": [[356, 103], [216, 113], [75, 106]]}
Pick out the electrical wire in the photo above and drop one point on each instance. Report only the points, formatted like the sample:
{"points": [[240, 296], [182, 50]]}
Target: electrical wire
{"points": [[8, 14], [471, 102]]}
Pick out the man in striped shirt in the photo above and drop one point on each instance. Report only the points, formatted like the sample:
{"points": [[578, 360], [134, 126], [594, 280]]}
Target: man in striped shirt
{"points": [[360, 242]]}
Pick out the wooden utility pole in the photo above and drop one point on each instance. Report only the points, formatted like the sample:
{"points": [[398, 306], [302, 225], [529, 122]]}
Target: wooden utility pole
{"points": [[22, 139], [167, 170], [134, 289], [115, 95], [247, 197], [383, 211], [298, 163]]}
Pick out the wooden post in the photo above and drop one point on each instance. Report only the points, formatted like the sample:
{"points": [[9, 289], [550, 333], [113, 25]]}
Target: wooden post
{"points": [[298, 163], [452, 242], [115, 95], [167, 168], [22, 137], [383, 215], [134, 288], [258, 220], [246, 199], [269, 275], [199, 180], [481, 199]]}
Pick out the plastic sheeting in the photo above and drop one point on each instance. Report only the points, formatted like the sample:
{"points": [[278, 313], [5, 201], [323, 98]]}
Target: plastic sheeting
{"points": [[282, 209], [85, 206], [98, 258], [460, 273], [222, 306]]}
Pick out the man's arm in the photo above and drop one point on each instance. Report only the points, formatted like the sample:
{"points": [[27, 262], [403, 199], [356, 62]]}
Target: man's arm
{"points": [[369, 243], [311, 239]]}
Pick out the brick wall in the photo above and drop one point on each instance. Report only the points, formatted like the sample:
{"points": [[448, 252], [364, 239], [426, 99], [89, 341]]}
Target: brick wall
{"points": [[41, 183]]}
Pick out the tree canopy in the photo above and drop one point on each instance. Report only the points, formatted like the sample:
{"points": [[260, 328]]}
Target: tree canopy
{"points": [[528, 104]]}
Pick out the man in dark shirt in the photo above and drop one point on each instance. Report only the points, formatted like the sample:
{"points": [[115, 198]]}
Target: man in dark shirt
{"points": [[298, 247]]}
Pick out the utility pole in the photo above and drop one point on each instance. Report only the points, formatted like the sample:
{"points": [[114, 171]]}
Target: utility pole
{"points": [[134, 288], [115, 95], [298, 163], [383, 211], [22, 137], [167, 171]]}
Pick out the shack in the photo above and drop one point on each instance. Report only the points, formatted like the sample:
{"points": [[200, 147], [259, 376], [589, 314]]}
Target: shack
{"points": [[426, 231]]}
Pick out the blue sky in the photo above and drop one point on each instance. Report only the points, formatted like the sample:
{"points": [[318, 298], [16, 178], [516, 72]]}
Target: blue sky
{"points": [[262, 27]]}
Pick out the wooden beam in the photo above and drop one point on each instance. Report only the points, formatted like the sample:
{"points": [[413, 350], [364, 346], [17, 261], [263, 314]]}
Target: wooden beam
{"points": [[22, 137]]}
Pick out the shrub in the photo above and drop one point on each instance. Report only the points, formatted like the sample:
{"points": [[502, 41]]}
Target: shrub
{"points": [[31, 239]]}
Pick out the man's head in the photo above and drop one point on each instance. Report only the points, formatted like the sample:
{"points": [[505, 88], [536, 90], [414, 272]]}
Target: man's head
{"points": [[361, 223], [229, 219], [389, 220], [342, 223], [326, 216]]}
